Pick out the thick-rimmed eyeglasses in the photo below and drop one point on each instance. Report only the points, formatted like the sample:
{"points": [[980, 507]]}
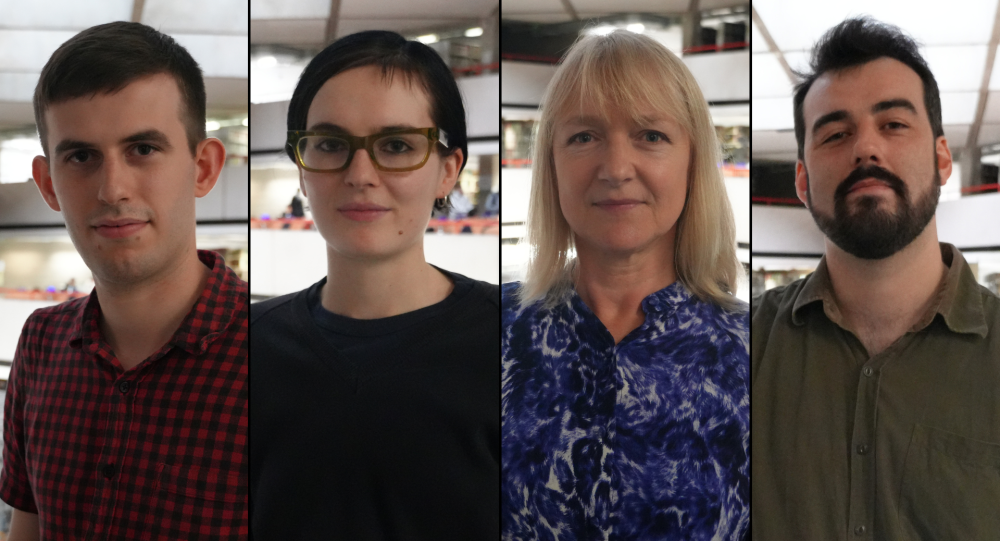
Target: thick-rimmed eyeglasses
{"points": [[396, 151]]}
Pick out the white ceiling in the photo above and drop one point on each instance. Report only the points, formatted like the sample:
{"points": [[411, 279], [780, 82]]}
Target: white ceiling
{"points": [[213, 31], [955, 42], [304, 23], [556, 11]]}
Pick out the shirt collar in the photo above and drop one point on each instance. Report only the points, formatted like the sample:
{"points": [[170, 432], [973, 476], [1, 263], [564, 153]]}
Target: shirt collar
{"points": [[958, 302], [211, 314], [667, 299]]}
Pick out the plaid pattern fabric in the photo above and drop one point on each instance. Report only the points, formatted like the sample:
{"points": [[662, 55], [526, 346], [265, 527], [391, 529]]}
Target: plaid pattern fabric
{"points": [[157, 452]]}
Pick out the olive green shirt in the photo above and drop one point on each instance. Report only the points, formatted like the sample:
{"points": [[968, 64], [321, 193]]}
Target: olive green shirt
{"points": [[903, 445]]}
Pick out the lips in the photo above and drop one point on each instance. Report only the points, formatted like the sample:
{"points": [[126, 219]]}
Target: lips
{"points": [[119, 228], [363, 212], [869, 183], [618, 204]]}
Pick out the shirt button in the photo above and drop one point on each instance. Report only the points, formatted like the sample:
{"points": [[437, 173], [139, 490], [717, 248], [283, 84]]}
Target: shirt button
{"points": [[860, 530], [868, 371], [123, 387], [108, 470], [862, 450]]}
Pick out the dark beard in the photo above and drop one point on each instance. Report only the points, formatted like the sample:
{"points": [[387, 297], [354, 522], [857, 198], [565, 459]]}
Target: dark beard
{"points": [[872, 231]]}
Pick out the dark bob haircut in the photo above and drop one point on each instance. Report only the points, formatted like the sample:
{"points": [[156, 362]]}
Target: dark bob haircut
{"points": [[107, 58], [392, 53], [858, 41]]}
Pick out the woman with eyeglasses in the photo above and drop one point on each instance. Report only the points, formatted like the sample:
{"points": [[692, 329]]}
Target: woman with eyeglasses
{"points": [[375, 392]]}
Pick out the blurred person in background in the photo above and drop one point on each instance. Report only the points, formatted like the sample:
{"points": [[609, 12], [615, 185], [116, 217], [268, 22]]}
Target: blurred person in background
{"points": [[876, 379], [375, 391], [625, 370], [125, 415]]}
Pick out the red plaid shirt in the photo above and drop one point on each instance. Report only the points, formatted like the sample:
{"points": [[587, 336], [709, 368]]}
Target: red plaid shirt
{"points": [[156, 452]]}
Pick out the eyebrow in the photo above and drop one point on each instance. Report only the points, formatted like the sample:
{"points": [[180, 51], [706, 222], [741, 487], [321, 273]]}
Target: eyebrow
{"points": [[330, 127], [879, 107], [147, 136]]}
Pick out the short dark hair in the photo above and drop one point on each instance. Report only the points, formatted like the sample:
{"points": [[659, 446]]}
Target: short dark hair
{"points": [[392, 53], [107, 58], [858, 41]]}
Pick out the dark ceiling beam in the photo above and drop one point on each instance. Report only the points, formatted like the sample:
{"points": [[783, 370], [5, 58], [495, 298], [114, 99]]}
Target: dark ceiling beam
{"points": [[137, 6], [771, 45], [331, 22], [984, 86], [570, 10]]}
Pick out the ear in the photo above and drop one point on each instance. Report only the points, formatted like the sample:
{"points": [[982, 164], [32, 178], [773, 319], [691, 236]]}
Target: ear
{"points": [[802, 182], [452, 163], [208, 159], [43, 179], [302, 184], [944, 160]]}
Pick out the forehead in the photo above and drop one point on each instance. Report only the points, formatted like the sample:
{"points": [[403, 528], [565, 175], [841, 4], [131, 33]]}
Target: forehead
{"points": [[363, 98], [593, 109], [149, 102], [858, 88]]}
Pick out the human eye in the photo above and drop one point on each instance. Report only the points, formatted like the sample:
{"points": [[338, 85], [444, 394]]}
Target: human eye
{"points": [[144, 149], [79, 156], [835, 137], [895, 125], [395, 145], [655, 137], [582, 137], [330, 144]]}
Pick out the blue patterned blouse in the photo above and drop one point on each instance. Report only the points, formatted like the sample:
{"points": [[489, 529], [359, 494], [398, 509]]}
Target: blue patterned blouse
{"points": [[644, 440]]}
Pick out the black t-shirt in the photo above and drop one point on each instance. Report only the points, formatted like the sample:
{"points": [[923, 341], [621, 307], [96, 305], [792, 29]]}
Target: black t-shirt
{"points": [[376, 429]]}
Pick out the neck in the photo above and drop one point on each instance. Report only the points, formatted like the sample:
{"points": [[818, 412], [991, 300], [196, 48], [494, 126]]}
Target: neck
{"points": [[895, 291], [138, 319], [369, 288], [613, 285]]}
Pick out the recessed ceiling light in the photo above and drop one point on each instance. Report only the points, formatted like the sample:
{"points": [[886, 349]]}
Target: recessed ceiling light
{"points": [[428, 39], [474, 32]]}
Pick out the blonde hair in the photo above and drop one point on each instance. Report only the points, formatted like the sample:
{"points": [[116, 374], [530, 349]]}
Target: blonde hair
{"points": [[631, 71]]}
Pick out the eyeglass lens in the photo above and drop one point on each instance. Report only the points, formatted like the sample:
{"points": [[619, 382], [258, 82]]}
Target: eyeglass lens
{"points": [[396, 151]]}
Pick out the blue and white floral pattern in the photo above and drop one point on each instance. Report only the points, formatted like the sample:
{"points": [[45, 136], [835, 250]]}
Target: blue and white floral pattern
{"points": [[644, 440]]}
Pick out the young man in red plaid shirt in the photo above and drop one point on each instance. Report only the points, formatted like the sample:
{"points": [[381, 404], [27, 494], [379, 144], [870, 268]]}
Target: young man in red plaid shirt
{"points": [[126, 412]]}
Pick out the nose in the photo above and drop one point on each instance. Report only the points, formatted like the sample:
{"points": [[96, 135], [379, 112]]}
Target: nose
{"points": [[868, 146], [116, 181], [618, 160], [362, 170]]}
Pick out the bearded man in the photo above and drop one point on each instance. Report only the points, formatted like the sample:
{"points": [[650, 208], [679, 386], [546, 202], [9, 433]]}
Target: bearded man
{"points": [[875, 380]]}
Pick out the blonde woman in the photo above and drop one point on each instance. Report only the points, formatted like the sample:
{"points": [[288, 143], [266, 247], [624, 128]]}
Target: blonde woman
{"points": [[625, 355]]}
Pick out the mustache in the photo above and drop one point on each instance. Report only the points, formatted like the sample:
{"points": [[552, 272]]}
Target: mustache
{"points": [[121, 211], [866, 172]]}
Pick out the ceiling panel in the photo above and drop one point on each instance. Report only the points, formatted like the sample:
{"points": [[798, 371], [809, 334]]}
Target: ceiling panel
{"points": [[796, 25], [773, 141], [771, 114], [226, 94], [516, 8], [989, 134], [16, 115], [992, 113], [17, 86], [769, 79], [196, 16], [757, 43], [958, 107], [218, 56], [418, 9], [350, 26], [29, 50], [632, 6], [283, 9], [63, 14], [289, 32], [956, 68], [957, 135]]}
